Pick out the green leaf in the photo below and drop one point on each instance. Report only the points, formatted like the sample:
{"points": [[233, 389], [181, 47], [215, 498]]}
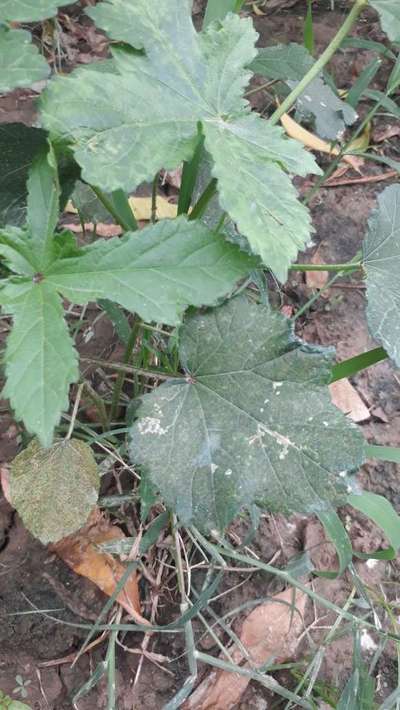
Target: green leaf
{"points": [[54, 490], [30, 10], [88, 204], [19, 145], [14, 247], [7, 703], [350, 367], [21, 63], [389, 13], [381, 252], [359, 691], [283, 61], [258, 194], [43, 205], [331, 114], [337, 534], [40, 360], [251, 421], [383, 453], [123, 128], [156, 272], [217, 9], [382, 513], [290, 63]]}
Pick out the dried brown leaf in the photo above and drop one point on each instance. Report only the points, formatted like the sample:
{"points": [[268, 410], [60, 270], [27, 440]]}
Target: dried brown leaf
{"points": [[346, 398], [80, 552], [271, 630]]}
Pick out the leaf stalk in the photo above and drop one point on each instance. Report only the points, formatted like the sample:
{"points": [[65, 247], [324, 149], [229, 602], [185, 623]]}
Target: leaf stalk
{"points": [[325, 57]]}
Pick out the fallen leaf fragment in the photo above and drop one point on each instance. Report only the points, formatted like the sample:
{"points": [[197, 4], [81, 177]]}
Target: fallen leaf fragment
{"points": [[271, 630], [80, 552], [294, 130], [384, 133], [102, 230], [346, 398], [316, 279], [141, 207], [257, 10]]}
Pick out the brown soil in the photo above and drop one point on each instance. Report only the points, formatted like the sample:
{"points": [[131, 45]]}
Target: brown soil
{"points": [[33, 578]]}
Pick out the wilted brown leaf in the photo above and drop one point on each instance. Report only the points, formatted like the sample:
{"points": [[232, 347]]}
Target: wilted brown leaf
{"points": [[80, 552], [346, 398], [271, 630]]}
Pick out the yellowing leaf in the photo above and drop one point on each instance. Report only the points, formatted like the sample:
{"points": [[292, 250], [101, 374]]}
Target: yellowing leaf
{"points": [[294, 130], [141, 207], [257, 10], [54, 490]]}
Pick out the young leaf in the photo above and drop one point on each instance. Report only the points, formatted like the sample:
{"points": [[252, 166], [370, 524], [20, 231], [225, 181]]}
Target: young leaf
{"points": [[389, 13], [54, 490], [283, 61], [258, 194], [43, 205], [381, 251], [217, 9], [29, 10], [149, 112], [21, 63], [251, 421], [290, 63], [156, 272], [40, 359]]}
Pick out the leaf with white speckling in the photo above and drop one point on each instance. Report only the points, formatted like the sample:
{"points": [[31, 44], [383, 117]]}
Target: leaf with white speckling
{"points": [[381, 253], [252, 421], [54, 490]]}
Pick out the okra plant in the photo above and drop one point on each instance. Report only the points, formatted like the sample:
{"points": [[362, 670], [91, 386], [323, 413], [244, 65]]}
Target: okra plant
{"points": [[246, 420]]}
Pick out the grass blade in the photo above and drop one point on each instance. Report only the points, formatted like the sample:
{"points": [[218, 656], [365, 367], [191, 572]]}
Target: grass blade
{"points": [[350, 367], [378, 509]]}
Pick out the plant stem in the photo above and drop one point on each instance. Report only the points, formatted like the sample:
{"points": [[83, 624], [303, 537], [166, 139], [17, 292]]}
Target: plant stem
{"points": [[75, 411], [119, 383], [325, 57], [131, 369], [110, 207], [98, 403], [154, 199], [201, 204], [326, 267]]}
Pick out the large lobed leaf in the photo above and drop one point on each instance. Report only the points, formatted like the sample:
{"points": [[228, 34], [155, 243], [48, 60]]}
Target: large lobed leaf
{"points": [[251, 421], [389, 13], [125, 127], [30, 10], [381, 252], [156, 272], [21, 64], [54, 490]]}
